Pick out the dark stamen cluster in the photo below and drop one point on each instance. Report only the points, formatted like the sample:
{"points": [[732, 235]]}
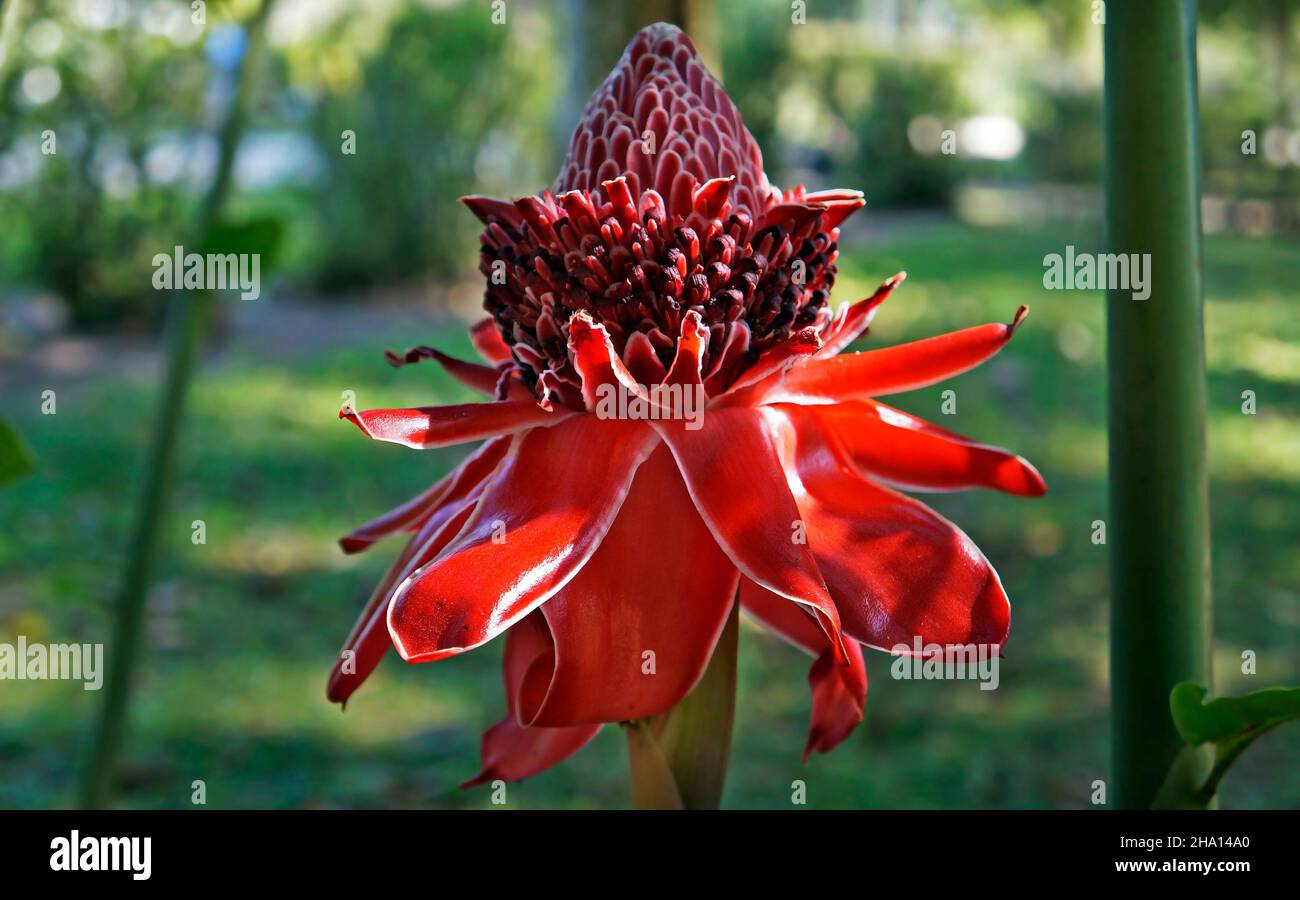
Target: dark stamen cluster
{"points": [[643, 273]]}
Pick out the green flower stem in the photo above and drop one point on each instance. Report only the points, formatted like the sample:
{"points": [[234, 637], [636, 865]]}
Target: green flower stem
{"points": [[187, 323], [1159, 530], [678, 760], [652, 782]]}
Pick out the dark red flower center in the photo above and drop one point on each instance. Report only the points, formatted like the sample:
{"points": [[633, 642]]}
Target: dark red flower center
{"points": [[661, 208], [642, 273]]}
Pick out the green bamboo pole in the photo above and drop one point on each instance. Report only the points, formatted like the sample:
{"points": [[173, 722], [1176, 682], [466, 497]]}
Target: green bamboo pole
{"points": [[1159, 530], [187, 323]]}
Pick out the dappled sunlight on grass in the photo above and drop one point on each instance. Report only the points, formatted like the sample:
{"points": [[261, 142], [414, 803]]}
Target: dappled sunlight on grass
{"points": [[270, 696], [1257, 354], [1246, 448], [276, 551], [1078, 450]]}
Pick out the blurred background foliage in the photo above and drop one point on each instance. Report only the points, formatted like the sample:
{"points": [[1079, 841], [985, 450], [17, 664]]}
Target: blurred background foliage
{"points": [[106, 111], [442, 102]]}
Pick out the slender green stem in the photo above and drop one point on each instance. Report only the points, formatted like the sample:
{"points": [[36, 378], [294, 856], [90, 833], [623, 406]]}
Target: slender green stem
{"points": [[1159, 531], [678, 760], [187, 323], [652, 782]]}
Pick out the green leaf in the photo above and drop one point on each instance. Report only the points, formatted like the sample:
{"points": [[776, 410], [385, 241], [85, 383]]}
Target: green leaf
{"points": [[16, 459], [1217, 733], [1230, 717]]}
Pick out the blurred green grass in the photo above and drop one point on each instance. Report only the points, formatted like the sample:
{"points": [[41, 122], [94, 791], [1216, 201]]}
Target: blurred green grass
{"points": [[242, 629]]}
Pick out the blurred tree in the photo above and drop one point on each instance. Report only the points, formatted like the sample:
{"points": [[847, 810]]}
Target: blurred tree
{"points": [[1275, 21], [85, 213], [443, 106], [603, 29], [755, 58], [887, 168], [1067, 21]]}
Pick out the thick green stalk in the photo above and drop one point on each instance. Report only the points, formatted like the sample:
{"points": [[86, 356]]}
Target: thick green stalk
{"points": [[187, 323], [1159, 528], [679, 760]]}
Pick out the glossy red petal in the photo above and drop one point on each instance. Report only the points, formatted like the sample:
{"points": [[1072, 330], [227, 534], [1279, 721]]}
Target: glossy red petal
{"points": [[839, 699], [542, 516], [597, 364], [711, 199], [478, 377], [905, 367], [768, 371], [911, 453], [490, 209], [511, 750], [839, 204], [792, 216], [735, 479], [369, 641], [641, 359], [453, 487], [402, 518], [487, 340], [691, 346], [726, 364], [635, 628], [896, 568], [424, 427], [853, 320], [839, 693]]}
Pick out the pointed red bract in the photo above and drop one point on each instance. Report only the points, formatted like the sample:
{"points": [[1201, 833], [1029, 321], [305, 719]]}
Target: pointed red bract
{"points": [[540, 519], [731, 469], [635, 628], [770, 369], [442, 426], [448, 491], [599, 367], [484, 379], [839, 692], [369, 642], [512, 751], [488, 342], [905, 367], [896, 569], [908, 452], [853, 320]]}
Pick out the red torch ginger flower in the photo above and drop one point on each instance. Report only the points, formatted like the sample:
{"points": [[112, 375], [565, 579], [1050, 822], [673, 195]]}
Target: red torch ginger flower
{"points": [[663, 266]]}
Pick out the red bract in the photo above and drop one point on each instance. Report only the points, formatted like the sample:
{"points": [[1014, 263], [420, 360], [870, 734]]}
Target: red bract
{"points": [[665, 266]]}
